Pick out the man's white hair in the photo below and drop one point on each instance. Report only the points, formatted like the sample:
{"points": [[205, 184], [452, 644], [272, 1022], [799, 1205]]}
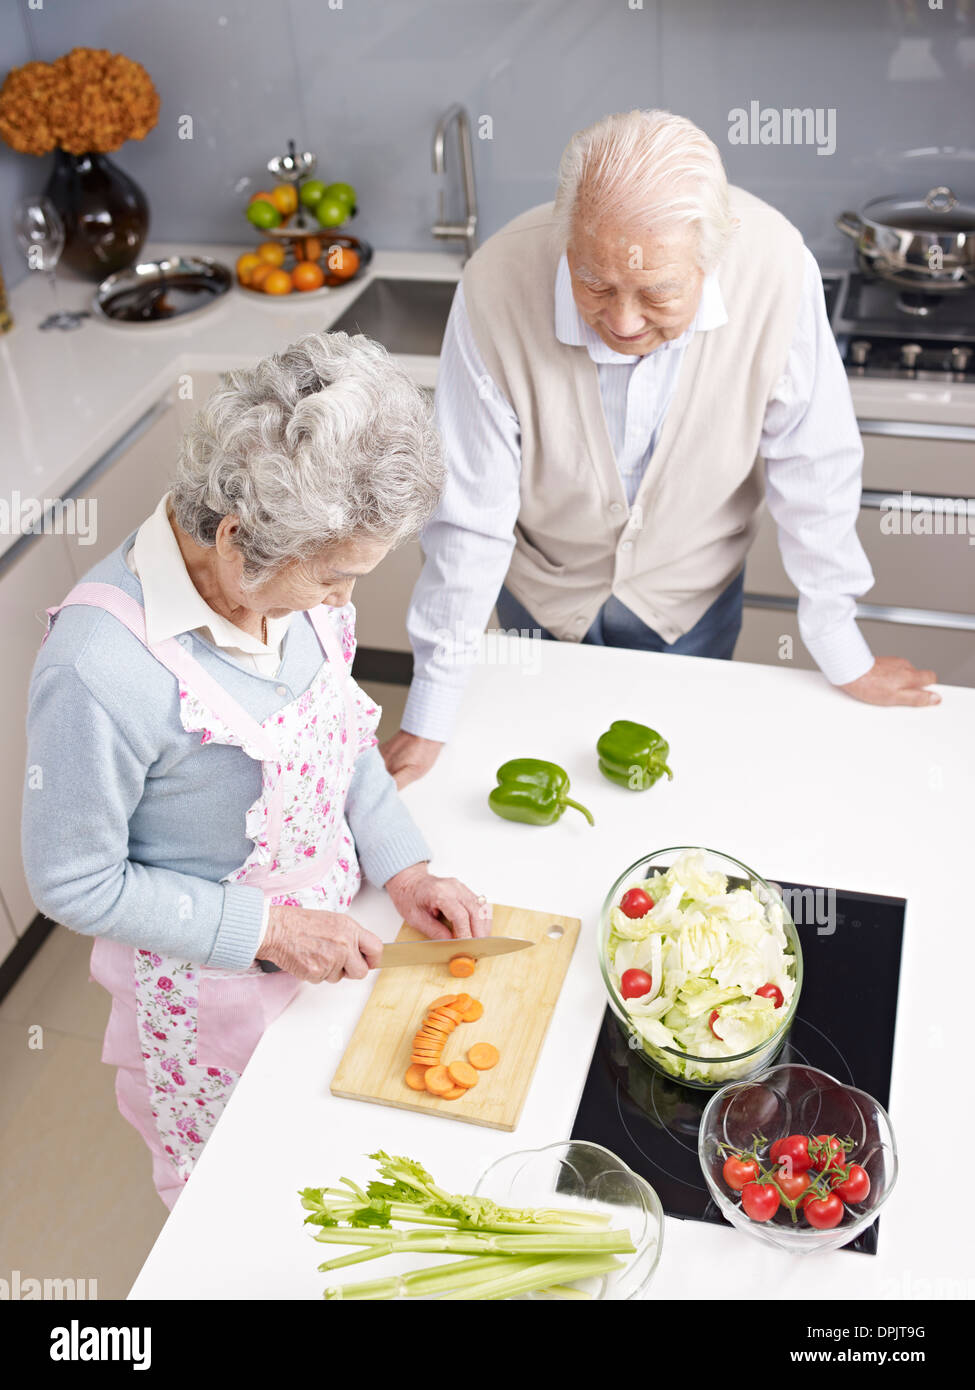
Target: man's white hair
{"points": [[647, 170]]}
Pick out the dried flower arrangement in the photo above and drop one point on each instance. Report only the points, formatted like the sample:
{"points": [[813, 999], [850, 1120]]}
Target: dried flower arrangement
{"points": [[89, 100]]}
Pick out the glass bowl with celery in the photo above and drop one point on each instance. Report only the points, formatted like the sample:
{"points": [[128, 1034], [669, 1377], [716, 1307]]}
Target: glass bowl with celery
{"points": [[702, 965], [569, 1222]]}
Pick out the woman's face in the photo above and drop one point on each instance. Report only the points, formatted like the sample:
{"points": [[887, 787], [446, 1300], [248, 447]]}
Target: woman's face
{"points": [[327, 577]]}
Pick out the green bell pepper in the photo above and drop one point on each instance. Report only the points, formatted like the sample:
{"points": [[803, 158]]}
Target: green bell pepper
{"points": [[632, 755], [533, 791]]}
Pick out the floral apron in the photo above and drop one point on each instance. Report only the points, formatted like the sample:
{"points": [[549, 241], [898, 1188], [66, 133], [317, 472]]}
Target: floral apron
{"points": [[179, 1033]]}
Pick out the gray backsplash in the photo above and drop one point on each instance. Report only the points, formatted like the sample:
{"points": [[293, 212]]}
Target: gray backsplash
{"points": [[362, 82]]}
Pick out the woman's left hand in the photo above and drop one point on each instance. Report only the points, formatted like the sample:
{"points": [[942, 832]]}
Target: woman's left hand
{"points": [[418, 895]]}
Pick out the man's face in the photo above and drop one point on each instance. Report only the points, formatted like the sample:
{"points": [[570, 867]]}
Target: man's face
{"points": [[634, 310]]}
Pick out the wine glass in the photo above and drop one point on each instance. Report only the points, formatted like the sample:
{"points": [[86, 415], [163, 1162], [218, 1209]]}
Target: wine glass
{"points": [[40, 232]]}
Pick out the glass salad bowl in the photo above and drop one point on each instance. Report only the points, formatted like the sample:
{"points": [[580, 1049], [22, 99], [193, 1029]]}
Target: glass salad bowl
{"points": [[588, 1178], [700, 916], [800, 1100]]}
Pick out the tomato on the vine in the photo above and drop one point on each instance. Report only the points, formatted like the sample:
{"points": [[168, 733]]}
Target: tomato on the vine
{"points": [[760, 1200], [823, 1212], [855, 1187], [826, 1154], [794, 1185], [738, 1170], [795, 1148], [635, 903]]}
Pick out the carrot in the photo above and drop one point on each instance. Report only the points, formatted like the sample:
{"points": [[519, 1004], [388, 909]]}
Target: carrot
{"points": [[429, 1055], [462, 966], [462, 1074], [437, 1081], [473, 1013], [452, 1014], [445, 1024], [483, 1056], [461, 1003], [414, 1077], [446, 999], [454, 1093]]}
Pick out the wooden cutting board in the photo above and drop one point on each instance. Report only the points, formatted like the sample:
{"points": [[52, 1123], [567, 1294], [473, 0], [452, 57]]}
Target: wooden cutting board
{"points": [[518, 991]]}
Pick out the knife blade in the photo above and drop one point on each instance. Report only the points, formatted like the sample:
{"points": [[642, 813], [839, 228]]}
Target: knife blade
{"points": [[441, 952]]}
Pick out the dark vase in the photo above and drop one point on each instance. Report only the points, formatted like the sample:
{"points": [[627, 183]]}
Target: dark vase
{"points": [[105, 213]]}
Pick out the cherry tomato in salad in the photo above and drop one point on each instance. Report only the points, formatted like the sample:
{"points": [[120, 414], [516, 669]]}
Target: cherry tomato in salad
{"points": [[826, 1154], [855, 1187], [714, 1015], [823, 1212], [634, 983], [737, 1171], [793, 1185], [772, 992], [795, 1148], [635, 903], [760, 1200]]}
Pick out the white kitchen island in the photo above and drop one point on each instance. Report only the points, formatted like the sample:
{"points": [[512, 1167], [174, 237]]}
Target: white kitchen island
{"points": [[773, 766]]}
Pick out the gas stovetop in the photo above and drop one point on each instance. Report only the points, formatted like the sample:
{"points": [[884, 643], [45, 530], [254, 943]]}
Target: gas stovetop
{"points": [[844, 1025], [884, 330]]}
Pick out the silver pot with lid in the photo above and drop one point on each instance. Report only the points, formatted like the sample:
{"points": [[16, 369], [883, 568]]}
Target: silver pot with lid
{"points": [[925, 244]]}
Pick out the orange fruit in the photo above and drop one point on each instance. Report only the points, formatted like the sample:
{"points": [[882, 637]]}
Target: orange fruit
{"points": [[272, 252], [278, 282], [343, 261], [285, 199], [308, 248], [259, 274], [246, 265], [264, 198], [307, 275]]}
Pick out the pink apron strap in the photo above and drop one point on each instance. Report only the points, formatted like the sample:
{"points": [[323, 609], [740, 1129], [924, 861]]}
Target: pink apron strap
{"points": [[184, 667], [318, 865]]}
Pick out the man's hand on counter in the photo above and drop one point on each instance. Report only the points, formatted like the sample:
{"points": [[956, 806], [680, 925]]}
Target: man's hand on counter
{"points": [[892, 680], [322, 947], [419, 897], [407, 756]]}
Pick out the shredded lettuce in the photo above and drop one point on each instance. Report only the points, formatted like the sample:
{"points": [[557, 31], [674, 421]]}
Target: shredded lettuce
{"points": [[705, 946]]}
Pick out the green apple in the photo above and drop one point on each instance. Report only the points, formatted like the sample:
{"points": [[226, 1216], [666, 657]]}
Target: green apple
{"points": [[311, 192], [332, 212], [263, 214], [343, 191]]}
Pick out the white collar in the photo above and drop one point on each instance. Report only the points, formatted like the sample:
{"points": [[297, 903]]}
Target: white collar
{"points": [[571, 327], [171, 600]]}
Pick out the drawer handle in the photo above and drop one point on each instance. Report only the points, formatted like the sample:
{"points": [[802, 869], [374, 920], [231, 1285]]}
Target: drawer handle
{"points": [[878, 612]]}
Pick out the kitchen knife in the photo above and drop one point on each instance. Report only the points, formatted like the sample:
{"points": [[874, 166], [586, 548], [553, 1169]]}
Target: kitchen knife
{"points": [[441, 952]]}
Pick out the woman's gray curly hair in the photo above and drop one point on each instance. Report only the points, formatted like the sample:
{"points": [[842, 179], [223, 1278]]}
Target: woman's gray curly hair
{"points": [[326, 442]]}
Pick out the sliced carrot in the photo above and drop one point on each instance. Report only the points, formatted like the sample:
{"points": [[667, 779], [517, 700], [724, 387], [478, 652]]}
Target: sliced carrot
{"points": [[414, 1077], [483, 1056], [446, 1025], [452, 1014], [431, 1058], [462, 966], [460, 1004], [437, 1081], [462, 1074], [473, 1012], [454, 1093], [445, 999]]}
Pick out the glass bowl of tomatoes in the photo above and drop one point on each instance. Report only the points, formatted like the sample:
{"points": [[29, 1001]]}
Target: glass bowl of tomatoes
{"points": [[702, 965], [796, 1158]]}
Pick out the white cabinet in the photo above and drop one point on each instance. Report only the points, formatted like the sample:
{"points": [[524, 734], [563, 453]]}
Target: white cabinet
{"points": [[38, 577]]}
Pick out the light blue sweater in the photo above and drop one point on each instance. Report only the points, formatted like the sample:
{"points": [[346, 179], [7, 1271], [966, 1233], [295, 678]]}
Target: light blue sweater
{"points": [[129, 822]]}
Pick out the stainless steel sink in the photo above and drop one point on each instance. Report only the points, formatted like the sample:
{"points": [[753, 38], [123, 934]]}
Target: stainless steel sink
{"points": [[406, 316]]}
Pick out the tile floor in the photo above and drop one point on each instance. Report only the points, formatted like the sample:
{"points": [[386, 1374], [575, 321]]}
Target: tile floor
{"points": [[76, 1193]]}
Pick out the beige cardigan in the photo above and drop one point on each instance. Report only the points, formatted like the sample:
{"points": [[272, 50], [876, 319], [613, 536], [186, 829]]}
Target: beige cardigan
{"points": [[685, 538]]}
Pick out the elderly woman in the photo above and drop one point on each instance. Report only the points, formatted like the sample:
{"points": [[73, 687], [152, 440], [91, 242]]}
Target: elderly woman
{"points": [[209, 777]]}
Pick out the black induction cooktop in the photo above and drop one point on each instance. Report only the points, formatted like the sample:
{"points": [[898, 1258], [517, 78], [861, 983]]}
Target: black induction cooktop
{"points": [[844, 1025]]}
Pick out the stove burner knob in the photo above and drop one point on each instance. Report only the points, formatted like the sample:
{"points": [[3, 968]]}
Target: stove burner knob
{"points": [[960, 358], [910, 352], [859, 351]]}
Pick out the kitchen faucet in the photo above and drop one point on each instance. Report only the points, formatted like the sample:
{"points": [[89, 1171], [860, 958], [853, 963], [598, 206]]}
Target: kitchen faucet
{"points": [[468, 228]]}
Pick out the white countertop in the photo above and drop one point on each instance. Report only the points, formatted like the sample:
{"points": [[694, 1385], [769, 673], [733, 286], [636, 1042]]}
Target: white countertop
{"points": [[66, 398], [773, 766]]}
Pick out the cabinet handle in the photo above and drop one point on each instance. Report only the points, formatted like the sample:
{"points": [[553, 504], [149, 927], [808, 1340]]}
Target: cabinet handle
{"points": [[878, 612], [914, 429], [874, 500]]}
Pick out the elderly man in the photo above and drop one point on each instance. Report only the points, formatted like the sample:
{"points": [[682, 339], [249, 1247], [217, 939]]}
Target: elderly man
{"points": [[616, 367]]}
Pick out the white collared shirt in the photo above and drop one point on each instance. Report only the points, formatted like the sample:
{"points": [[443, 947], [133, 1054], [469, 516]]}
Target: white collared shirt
{"points": [[174, 605], [810, 443]]}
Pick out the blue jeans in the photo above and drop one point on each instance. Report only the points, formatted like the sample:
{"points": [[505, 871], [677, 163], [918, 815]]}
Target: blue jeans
{"points": [[714, 634]]}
